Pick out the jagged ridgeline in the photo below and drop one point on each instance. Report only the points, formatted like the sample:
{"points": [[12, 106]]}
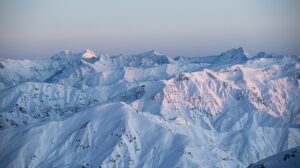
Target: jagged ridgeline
{"points": [[149, 110]]}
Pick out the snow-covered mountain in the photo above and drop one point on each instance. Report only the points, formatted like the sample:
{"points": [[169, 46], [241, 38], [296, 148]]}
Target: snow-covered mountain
{"points": [[148, 110]]}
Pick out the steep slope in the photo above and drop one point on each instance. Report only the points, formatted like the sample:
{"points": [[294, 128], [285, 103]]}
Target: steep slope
{"points": [[33, 102], [289, 158], [108, 136]]}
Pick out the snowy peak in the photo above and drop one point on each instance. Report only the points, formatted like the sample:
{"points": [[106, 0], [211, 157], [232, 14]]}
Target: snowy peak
{"points": [[147, 59], [265, 55], [230, 57], [65, 55], [239, 52], [87, 54], [233, 56], [66, 52], [150, 53]]}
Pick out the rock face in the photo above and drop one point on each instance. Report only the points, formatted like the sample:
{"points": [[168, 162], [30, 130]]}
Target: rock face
{"points": [[148, 110]]}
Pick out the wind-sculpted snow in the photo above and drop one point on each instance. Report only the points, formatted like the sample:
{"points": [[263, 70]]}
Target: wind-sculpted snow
{"points": [[227, 110]]}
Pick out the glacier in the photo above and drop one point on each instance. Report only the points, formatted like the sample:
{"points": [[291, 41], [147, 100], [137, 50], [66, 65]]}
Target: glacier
{"points": [[150, 110]]}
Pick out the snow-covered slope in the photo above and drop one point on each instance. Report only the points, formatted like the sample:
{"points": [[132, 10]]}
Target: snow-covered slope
{"points": [[111, 135], [31, 102], [243, 106], [148, 110], [289, 158]]}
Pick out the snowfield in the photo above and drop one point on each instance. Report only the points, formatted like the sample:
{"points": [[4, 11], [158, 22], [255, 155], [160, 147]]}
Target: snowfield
{"points": [[149, 110]]}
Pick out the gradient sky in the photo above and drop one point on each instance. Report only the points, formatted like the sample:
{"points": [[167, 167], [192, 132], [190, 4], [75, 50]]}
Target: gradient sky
{"points": [[37, 28]]}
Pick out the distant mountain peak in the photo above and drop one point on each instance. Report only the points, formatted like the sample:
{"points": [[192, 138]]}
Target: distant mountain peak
{"points": [[66, 52], [236, 52], [266, 55], [63, 55], [241, 49], [88, 54], [244, 51], [150, 53], [154, 52]]}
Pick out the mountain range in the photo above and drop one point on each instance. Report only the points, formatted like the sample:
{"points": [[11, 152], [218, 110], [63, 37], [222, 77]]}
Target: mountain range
{"points": [[150, 110]]}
